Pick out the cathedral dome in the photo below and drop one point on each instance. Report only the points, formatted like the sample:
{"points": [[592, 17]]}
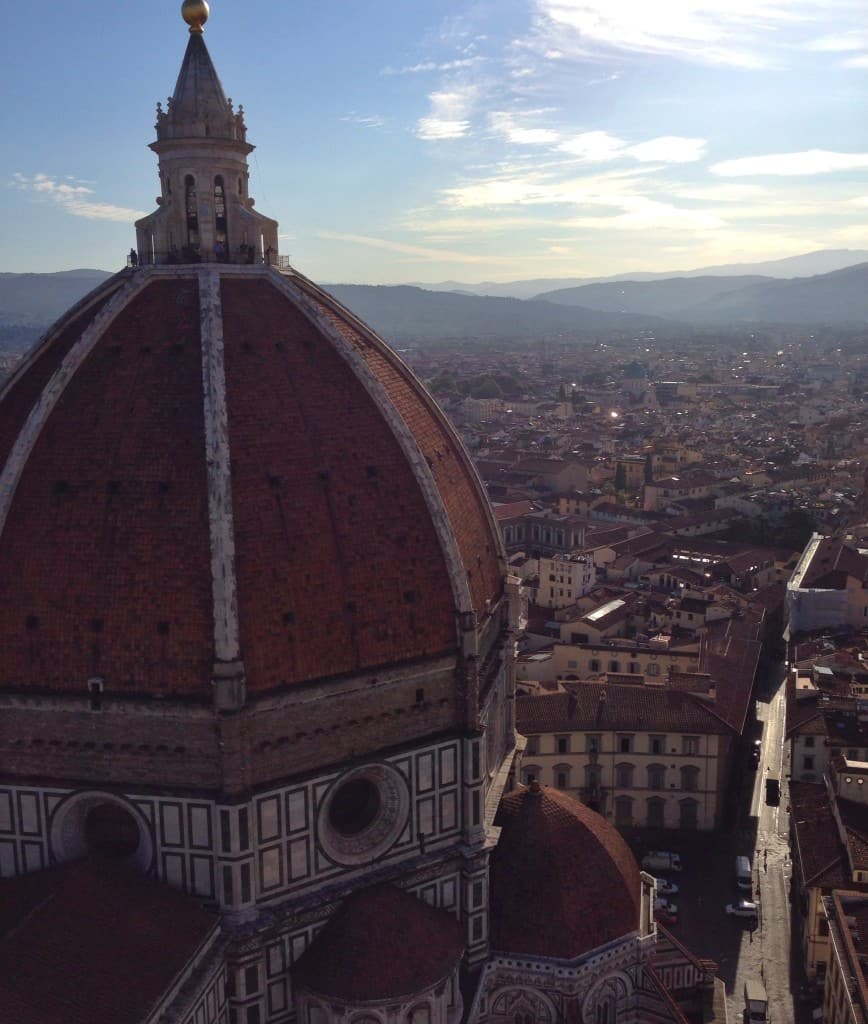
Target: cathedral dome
{"points": [[218, 464], [563, 880]]}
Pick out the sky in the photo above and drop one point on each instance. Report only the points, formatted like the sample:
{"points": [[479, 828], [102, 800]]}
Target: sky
{"points": [[466, 140]]}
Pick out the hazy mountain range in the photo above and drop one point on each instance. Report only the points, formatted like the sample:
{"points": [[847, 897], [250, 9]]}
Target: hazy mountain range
{"points": [[707, 297], [824, 261]]}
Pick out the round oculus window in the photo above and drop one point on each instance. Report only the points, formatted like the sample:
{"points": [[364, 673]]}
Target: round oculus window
{"points": [[354, 806], [103, 825], [363, 814], [111, 831]]}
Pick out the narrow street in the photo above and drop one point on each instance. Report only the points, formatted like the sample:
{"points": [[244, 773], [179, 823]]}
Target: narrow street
{"points": [[768, 953], [708, 881]]}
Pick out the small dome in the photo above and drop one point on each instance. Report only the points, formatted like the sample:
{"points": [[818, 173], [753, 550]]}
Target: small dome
{"points": [[563, 881], [381, 944]]}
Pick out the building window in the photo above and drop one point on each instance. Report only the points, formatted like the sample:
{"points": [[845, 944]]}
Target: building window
{"points": [[689, 814], [690, 745], [572, 664], [657, 744], [593, 743], [562, 776], [614, 666], [530, 773], [809, 764], [192, 209], [656, 817], [635, 668], [594, 665], [656, 776], [809, 741], [624, 776], [624, 810], [532, 745], [653, 669], [625, 744], [690, 778], [562, 744]]}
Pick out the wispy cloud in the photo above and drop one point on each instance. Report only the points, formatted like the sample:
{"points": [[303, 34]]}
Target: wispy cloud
{"points": [[423, 252], [432, 65], [364, 120], [602, 147], [738, 33], [807, 162], [73, 196], [506, 124], [448, 115]]}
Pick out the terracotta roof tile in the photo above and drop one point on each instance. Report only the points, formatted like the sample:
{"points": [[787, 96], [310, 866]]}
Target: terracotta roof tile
{"points": [[382, 943], [93, 943], [617, 707], [542, 903]]}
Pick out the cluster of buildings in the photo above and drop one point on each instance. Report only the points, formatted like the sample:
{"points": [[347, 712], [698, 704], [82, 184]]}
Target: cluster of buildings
{"points": [[258, 750]]}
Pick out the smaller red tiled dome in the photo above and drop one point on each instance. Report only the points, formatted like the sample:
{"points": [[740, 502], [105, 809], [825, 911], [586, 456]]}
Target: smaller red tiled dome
{"points": [[563, 881], [381, 944]]}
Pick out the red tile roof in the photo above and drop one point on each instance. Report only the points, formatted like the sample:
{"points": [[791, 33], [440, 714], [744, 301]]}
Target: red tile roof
{"points": [[340, 567], [93, 943], [618, 707], [818, 850], [541, 901], [382, 943]]}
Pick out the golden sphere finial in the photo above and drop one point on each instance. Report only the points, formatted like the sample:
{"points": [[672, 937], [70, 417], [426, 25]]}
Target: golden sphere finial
{"points": [[195, 13]]}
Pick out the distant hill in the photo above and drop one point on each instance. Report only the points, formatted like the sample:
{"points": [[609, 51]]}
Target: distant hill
{"points": [[837, 298], [823, 261], [402, 313], [39, 299], [660, 298], [30, 302]]}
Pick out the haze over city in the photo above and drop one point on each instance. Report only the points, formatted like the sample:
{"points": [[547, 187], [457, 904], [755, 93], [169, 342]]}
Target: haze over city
{"points": [[458, 140]]}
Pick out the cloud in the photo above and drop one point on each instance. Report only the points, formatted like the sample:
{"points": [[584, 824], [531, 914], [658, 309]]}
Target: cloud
{"points": [[365, 120], [840, 42], [736, 33], [503, 123], [448, 117], [601, 147], [432, 65], [807, 162], [73, 198], [405, 249], [855, 62]]}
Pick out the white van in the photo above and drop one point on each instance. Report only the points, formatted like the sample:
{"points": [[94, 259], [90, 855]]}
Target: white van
{"points": [[743, 873]]}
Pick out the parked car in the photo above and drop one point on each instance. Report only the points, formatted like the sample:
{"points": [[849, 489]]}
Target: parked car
{"points": [[773, 791], [665, 906], [665, 917], [744, 908], [756, 753], [661, 860], [666, 888]]}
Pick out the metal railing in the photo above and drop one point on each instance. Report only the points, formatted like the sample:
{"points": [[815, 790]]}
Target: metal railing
{"points": [[183, 257]]}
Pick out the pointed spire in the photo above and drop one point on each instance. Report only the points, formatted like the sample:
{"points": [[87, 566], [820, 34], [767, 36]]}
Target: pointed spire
{"points": [[205, 211], [199, 107]]}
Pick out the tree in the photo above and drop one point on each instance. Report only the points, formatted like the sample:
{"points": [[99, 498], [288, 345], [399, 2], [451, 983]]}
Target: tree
{"points": [[620, 477], [649, 468]]}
